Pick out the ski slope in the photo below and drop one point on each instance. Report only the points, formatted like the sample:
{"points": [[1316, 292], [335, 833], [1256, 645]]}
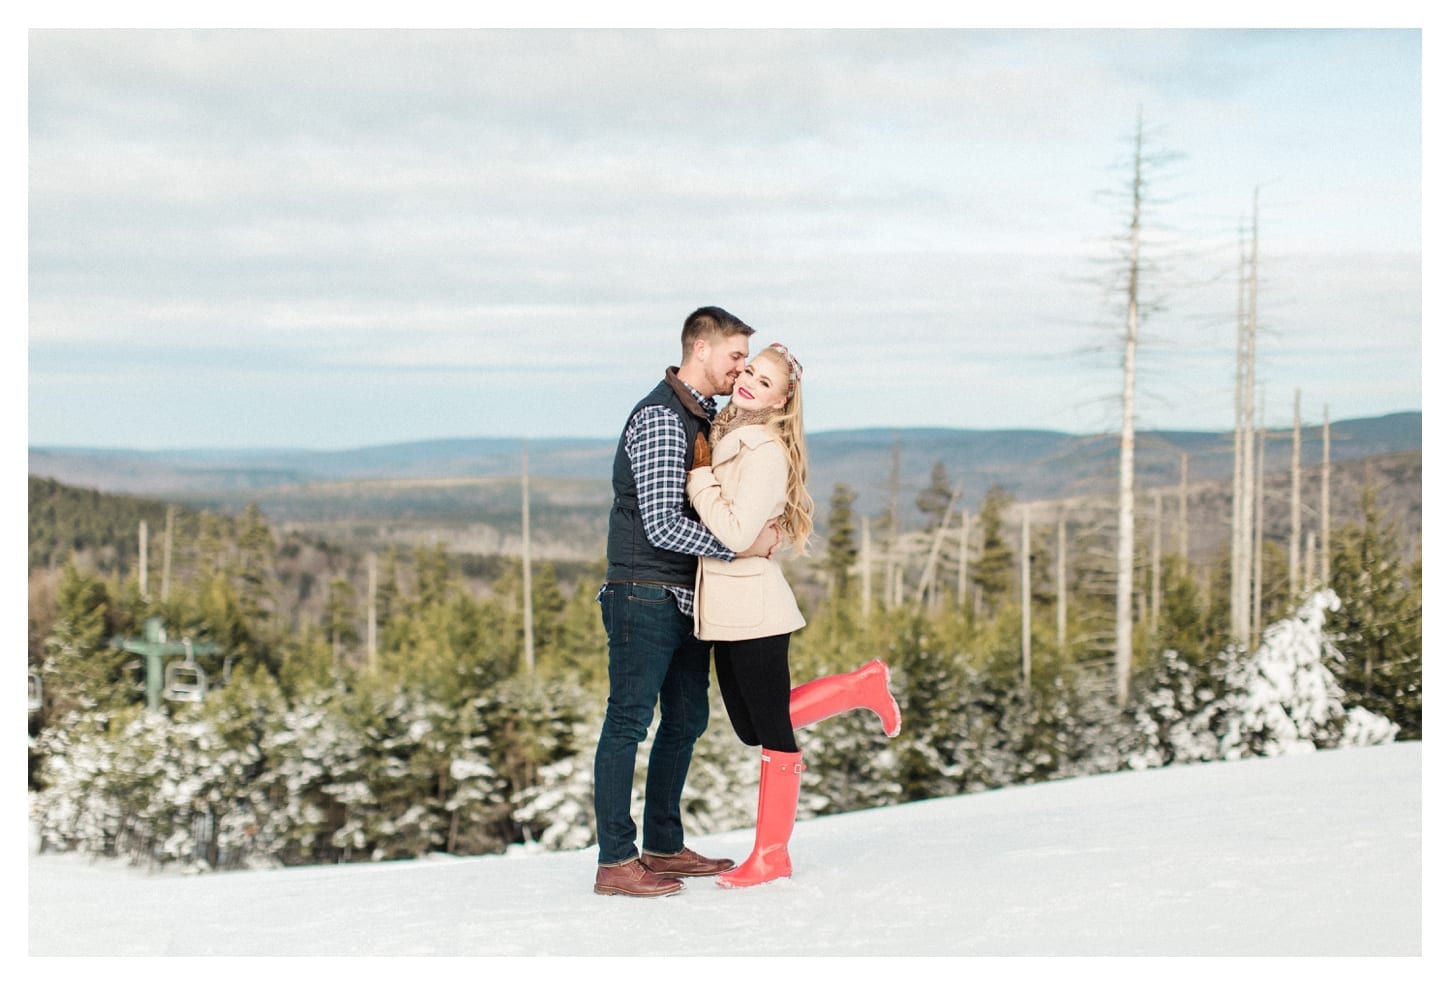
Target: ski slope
{"points": [[1310, 855]]}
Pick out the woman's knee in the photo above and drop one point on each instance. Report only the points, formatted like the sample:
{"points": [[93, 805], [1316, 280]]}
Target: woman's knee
{"points": [[779, 737]]}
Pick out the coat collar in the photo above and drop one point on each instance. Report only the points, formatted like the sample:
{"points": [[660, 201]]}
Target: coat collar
{"points": [[750, 436]]}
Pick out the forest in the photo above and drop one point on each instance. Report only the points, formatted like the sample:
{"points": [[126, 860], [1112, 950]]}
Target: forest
{"points": [[216, 693]]}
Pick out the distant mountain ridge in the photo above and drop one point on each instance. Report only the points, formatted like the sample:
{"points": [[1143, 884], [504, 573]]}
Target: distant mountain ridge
{"points": [[1029, 464]]}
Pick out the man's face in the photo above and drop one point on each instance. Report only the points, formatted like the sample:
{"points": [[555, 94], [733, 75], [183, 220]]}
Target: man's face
{"points": [[724, 361]]}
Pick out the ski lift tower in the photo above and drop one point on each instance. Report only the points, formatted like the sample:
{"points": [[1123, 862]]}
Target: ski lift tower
{"points": [[154, 647]]}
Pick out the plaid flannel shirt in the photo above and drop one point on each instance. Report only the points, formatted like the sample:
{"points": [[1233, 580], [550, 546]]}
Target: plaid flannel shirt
{"points": [[654, 440]]}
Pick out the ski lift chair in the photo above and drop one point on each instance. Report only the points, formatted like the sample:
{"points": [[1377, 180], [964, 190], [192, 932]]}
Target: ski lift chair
{"points": [[185, 680]]}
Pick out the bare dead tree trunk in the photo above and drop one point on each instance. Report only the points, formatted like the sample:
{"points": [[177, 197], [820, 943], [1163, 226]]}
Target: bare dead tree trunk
{"points": [[144, 537], [1183, 506], [1257, 608], [865, 568], [1062, 584], [1155, 603], [528, 569], [962, 560], [1241, 607], [1237, 629], [928, 576], [1310, 562], [166, 554], [1251, 397], [891, 584], [1123, 647], [372, 610], [1026, 595], [1294, 534], [1324, 508]]}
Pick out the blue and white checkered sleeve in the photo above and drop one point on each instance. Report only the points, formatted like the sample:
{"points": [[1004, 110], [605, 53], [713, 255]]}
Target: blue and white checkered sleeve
{"points": [[655, 444]]}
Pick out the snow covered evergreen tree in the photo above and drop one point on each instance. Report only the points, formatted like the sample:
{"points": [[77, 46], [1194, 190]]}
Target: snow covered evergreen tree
{"points": [[305, 750], [1166, 719], [556, 812], [720, 789], [544, 737], [1284, 699], [850, 765], [935, 748], [73, 810]]}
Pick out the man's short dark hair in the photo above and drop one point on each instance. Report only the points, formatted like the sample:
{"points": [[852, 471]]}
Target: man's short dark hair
{"points": [[711, 323]]}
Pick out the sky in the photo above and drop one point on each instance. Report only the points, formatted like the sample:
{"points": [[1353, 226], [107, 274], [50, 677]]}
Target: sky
{"points": [[339, 238], [1301, 857]]}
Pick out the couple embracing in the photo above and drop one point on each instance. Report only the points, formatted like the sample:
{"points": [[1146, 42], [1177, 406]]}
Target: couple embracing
{"points": [[701, 502]]}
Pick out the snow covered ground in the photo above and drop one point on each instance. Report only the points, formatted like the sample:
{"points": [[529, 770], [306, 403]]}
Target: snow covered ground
{"points": [[1309, 855]]}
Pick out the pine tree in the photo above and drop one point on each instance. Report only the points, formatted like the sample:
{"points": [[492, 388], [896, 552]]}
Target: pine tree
{"points": [[309, 749], [1183, 626], [580, 653], [396, 787], [339, 616], [722, 784], [850, 764], [79, 667], [992, 571], [549, 607], [1167, 700], [556, 811], [72, 808], [1379, 628], [841, 540], [446, 644], [931, 686], [255, 569], [936, 498], [1283, 699]]}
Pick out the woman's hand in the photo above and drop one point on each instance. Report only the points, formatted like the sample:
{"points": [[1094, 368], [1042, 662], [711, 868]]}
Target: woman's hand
{"points": [[766, 541], [702, 452]]}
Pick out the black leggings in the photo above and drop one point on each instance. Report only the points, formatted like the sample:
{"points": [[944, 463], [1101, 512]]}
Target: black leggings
{"points": [[754, 680]]}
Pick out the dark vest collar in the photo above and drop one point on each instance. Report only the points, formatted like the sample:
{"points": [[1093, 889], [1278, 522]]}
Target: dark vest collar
{"points": [[687, 396]]}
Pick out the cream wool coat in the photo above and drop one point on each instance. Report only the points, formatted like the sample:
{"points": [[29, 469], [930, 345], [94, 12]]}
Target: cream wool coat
{"points": [[747, 598]]}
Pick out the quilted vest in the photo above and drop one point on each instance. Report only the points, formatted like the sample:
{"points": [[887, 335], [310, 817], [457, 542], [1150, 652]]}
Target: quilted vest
{"points": [[631, 556]]}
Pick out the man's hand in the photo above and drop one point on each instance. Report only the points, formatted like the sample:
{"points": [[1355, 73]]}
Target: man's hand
{"points": [[765, 543], [702, 452]]}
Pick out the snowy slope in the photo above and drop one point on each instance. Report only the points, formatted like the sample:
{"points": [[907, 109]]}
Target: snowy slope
{"points": [[1315, 854]]}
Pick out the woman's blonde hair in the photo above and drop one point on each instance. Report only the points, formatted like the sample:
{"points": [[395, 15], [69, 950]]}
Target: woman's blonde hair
{"points": [[787, 425]]}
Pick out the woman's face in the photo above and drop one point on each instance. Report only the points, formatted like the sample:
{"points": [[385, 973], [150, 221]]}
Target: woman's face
{"points": [[761, 386]]}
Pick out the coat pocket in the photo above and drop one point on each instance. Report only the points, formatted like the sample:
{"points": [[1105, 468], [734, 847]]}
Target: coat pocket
{"points": [[732, 595]]}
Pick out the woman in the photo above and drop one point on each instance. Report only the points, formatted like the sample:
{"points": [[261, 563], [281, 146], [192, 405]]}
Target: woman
{"points": [[756, 471]]}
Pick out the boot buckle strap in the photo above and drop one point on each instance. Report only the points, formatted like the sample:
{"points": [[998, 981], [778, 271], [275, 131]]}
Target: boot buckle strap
{"points": [[797, 767]]}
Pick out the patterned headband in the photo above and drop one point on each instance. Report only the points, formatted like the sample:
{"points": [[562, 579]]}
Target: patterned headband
{"points": [[796, 370]]}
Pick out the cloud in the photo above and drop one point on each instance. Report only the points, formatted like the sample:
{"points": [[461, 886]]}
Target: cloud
{"points": [[514, 209]]}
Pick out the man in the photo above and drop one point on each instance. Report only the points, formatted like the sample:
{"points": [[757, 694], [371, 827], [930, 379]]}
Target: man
{"points": [[647, 603]]}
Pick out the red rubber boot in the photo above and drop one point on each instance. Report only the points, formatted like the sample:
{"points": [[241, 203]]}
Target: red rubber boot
{"points": [[868, 686], [780, 787]]}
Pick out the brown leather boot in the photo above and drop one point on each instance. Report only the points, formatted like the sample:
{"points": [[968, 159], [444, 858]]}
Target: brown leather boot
{"points": [[633, 879], [685, 862]]}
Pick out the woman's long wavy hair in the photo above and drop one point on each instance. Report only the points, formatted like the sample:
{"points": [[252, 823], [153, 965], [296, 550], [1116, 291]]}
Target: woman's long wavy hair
{"points": [[787, 424]]}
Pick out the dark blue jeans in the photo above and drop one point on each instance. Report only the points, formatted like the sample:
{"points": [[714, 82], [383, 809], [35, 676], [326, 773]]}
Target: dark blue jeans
{"points": [[654, 657]]}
